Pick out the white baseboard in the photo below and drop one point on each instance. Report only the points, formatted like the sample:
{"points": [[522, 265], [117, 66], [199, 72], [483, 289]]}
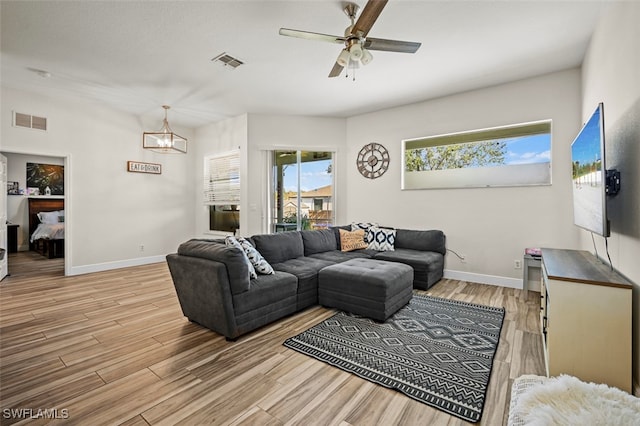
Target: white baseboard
{"points": [[99, 267], [483, 279]]}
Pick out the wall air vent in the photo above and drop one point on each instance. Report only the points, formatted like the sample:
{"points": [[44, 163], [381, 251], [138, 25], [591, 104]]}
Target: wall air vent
{"points": [[228, 60], [29, 121]]}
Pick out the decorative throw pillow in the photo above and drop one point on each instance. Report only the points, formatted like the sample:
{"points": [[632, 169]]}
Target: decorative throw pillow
{"points": [[353, 240], [363, 225], [231, 241], [381, 239], [259, 263]]}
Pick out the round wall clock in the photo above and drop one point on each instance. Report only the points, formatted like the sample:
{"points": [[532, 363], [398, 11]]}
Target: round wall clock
{"points": [[373, 160]]}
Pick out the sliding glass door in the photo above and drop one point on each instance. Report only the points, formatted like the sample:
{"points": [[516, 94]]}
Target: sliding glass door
{"points": [[303, 196]]}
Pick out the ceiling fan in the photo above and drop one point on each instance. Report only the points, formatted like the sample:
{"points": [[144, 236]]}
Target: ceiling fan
{"points": [[355, 40]]}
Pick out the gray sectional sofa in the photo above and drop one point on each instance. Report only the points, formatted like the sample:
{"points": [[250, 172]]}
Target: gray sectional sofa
{"points": [[214, 289]]}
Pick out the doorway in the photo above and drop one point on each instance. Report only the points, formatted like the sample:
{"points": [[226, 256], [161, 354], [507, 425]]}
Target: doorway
{"points": [[16, 211], [304, 190]]}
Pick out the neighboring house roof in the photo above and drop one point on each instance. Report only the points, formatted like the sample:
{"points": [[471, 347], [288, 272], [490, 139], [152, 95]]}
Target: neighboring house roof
{"points": [[324, 191], [293, 204]]}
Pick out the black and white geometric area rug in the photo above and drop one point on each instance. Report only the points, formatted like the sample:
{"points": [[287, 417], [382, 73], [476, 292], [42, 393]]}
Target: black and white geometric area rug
{"points": [[436, 351]]}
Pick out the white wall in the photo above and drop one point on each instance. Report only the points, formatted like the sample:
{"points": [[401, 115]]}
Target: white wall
{"points": [[611, 74], [109, 212], [490, 226], [217, 138], [17, 205]]}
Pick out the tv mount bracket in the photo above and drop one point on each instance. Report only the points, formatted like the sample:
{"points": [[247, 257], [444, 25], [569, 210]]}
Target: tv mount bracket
{"points": [[612, 184]]}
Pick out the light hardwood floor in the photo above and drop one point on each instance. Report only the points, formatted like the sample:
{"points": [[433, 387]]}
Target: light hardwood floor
{"points": [[114, 348]]}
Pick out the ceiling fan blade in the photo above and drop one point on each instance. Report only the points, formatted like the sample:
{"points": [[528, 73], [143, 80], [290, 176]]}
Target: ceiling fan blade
{"points": [[368, 17], [391, 45], [336, 70], [308, 35]]}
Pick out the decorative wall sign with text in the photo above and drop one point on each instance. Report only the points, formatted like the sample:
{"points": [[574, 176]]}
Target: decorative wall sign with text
{"points": [[138, 167]]}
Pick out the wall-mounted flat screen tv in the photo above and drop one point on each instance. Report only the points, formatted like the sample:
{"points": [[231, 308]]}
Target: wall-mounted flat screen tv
{"points": [[589, 176]]}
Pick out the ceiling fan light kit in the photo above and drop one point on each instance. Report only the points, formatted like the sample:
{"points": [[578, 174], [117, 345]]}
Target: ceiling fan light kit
{"points": [[343, 58], [367, 57], [356, 51], [357, 45]]}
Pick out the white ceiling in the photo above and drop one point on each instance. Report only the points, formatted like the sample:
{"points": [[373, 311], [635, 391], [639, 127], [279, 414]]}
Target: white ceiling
{"points": [[137, 56]]}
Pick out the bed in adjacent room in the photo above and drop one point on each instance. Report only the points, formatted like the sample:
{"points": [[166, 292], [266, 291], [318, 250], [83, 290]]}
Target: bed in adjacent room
{"points": [[46, 226]]}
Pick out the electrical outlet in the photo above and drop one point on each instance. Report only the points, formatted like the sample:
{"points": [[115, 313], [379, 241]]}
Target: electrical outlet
{"points": [[517, 264], [141, 247]]}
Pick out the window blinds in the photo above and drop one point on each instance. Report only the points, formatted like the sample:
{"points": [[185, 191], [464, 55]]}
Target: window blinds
{"points": [[222, 179]]}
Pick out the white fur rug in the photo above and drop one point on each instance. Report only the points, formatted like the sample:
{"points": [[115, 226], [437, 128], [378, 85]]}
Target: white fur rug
{"points": [[566, 400]]}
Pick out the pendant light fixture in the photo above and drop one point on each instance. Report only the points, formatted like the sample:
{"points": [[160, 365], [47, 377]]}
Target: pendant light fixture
{"points": [[164, 140]]}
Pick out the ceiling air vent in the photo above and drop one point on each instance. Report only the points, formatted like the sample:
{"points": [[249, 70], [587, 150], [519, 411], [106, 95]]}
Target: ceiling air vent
{"points": [[228, 60], [29, 121]]}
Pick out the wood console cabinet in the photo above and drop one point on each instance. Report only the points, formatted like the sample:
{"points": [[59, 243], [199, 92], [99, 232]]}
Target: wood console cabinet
{"points": [[586, 318]]}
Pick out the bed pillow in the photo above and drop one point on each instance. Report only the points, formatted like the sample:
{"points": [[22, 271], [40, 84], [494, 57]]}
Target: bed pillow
{"points": [[381, 239], [48, 217], [353, 240], [231, 241], [259, 263]]}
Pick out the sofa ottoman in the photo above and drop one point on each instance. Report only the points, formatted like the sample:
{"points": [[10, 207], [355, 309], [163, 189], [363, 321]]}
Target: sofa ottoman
{"points": [[372, 288]]}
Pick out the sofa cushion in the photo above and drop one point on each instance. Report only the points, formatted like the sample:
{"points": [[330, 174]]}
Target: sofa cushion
{"points": [[258, 262], [265, 290], [352, 240], [318, 241], [336, 230], [432, 240], [338, 256], [279, 247], [305, 268], [427, 265], [233, 258]]}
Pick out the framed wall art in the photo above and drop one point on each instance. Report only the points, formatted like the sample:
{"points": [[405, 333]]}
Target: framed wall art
{"points": [[45, 179], [13, 188]]}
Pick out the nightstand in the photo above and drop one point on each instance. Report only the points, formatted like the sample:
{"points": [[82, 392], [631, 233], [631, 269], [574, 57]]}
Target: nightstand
{"points": [[12, 237]]}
